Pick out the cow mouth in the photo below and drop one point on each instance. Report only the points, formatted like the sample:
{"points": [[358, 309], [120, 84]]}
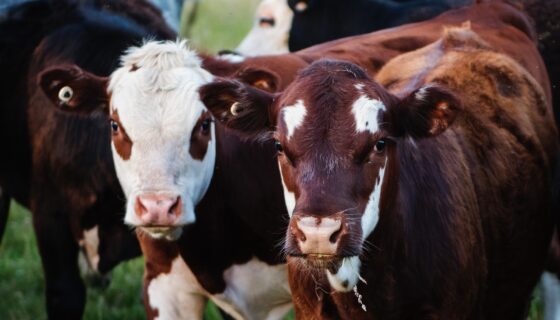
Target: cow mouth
{"points": [[170, 233], [320, 261]]}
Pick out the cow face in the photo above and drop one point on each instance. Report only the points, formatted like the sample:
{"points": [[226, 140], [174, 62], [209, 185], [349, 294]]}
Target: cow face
{"points": [[163, 138], [336, 132]]}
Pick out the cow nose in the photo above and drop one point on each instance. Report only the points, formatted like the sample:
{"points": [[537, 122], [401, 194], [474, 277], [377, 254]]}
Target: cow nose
{"points": [[318, 235], [158, 210]]}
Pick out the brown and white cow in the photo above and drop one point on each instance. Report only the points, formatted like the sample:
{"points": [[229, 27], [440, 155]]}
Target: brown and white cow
{"points": [[429, 198], [186, 179]]}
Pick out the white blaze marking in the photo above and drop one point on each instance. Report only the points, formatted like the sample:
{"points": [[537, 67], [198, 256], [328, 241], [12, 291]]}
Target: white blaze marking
{"points": [[371, 213], [365, 112], [177, 294], [293, 116], [289, 197], [348, 272], [255, 290]]}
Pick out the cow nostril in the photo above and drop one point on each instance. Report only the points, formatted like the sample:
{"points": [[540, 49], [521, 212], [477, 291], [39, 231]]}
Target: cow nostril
{"points": [[175, 207], [334, 237], [140, 207]]}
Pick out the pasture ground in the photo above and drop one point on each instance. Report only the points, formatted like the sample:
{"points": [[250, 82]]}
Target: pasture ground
{"points": [[220, 24]]}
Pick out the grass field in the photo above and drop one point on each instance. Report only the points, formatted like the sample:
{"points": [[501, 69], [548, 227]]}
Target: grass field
{"points": [[220, 24]]}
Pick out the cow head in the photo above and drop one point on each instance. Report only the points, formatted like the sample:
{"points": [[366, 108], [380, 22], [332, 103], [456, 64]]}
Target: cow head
{"points": [[163, 138], [336, 133]]}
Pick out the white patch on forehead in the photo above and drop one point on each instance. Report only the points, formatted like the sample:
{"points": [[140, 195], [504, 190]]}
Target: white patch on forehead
{"points": [[177, 294], [231, 57], [293, 117], [371, 213], [243, 299], [365, 112], [359, 86], [347, 275], [289, 197]]}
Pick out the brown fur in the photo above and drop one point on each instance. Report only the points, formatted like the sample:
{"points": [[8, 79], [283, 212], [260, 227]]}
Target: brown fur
{"points": [[200, 137], [121, 141], [465, 212]]}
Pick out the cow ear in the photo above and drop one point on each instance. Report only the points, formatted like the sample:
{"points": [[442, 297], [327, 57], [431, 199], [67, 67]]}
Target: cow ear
{"points": [[239, 106], [426, 112], [259, 78], [74, 90]]}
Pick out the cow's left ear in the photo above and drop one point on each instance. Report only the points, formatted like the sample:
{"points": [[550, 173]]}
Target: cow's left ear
{"points": [[239, 106], [259, 78], [72, 89], [426, 112]]}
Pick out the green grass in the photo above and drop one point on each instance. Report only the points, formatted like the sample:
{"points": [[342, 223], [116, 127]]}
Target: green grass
{"points": [[220, 24]]}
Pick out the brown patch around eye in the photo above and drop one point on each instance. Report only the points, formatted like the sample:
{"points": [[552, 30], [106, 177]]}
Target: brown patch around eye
{"points": [[123, 144], [201, 136]]}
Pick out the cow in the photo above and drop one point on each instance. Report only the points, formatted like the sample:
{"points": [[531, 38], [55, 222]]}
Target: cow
{"points": [[58, 165], [269, 34], [318, 21], [195, 193], [425, 194]]}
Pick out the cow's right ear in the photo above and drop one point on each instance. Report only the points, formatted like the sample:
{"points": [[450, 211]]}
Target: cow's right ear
{"points": [[239, 106], [74, 90]]}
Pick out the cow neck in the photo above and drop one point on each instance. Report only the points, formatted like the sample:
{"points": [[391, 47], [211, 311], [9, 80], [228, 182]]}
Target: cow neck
{"points": [[241, 216]]}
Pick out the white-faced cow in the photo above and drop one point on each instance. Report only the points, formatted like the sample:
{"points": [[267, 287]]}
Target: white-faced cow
{"points": [[269, 34], [429, 198], [188, 180], [59, 165]]}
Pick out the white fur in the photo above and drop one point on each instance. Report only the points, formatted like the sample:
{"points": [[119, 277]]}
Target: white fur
{"points": [[90, 245], [289, 197], [365, 112], [371, 213], [233, 58], [551, 294], [422, 92], [255, 290], [293, 117], [177, 294], [158, 106], [348, 272], [268, 40]]}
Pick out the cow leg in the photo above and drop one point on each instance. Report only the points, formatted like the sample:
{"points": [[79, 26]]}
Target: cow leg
{"points": [[4, 211], [65, 291]]}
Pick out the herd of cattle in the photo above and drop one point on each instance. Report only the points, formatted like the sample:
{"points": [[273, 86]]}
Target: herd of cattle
{"points": [[406, 173]]}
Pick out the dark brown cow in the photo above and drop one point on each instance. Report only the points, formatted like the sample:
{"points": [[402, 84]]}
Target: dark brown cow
{"points": [[418, 203], [57, 165]]}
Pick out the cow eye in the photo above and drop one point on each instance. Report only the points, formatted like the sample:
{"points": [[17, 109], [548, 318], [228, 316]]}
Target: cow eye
{"points": [[114, 126], [380, 146], [205, 126], [65, 94], [278, 146]]}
